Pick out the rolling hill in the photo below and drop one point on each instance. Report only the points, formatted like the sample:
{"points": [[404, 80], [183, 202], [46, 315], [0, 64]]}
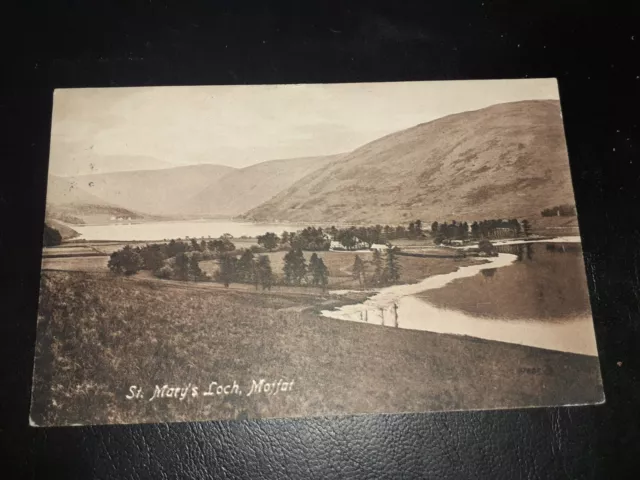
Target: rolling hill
{"points": [[68, 202], [507, 160], [246, 188], [157, 192], [89, 162]]}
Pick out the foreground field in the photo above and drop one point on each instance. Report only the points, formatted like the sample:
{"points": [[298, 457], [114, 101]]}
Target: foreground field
{"points": [[99, 334]]}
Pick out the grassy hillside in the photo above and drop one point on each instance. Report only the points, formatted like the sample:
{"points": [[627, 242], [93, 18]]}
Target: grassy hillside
{"points": [[246, 188], [66, 232], [99, 334], [152, 191], [507, 160]]}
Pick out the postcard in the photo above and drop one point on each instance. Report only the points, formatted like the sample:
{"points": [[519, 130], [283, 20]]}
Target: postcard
{"points": [[244, 252]]}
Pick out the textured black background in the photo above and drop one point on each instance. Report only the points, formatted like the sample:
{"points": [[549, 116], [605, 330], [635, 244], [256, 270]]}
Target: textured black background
{"points": [[594, 50]]}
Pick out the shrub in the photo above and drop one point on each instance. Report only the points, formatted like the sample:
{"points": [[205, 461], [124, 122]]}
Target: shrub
{"points": [[485, 246], [126, 261], [164, 272]]}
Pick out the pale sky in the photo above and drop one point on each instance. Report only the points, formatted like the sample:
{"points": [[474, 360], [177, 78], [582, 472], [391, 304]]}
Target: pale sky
{"points": [[110, 129]]}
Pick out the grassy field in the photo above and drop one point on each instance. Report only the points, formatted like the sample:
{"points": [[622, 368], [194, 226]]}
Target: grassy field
{"points": [[99, 334]]}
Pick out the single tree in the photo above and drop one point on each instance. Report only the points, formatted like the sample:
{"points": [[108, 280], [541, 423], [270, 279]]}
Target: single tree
{"points": [[221, 246], [264, 274], [153, 257], [195, 273], [486, 246], [411, 231], [313, 261], [164, 272], [320, 274], [175, 247], [244, 267], [181, 266], [295, 267], [357, 271], [226, 274], [418, 228], [378, 268], [126, 261], [269, 240], [517, 227], [434, 228], [526, 227], [392, 267]]}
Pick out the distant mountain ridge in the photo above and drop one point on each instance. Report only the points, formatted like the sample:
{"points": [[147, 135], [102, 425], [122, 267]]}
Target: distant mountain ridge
{"points": [[504, 161], [188, 191], [246, 188], [157, 192]]}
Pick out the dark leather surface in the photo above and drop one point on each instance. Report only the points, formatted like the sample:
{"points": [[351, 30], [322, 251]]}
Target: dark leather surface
{"points": [[594, 51]]}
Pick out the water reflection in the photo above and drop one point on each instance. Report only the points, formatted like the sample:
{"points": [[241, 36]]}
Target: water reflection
{"points": [[489, 272], [547, 281], [532, 296], [521, 251]]}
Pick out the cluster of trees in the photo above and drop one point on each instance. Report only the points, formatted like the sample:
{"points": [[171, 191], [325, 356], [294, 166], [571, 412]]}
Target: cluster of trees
{"points": [[175, 259], [297, 272], [310, 238], [565, 210], [180, 260], [318, 239], [369, 235], [249, 268], [494, 228], [386, 270], [257, 270]]}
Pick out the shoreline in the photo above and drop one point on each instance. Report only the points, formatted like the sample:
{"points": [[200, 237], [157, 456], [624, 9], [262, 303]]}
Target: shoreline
{"points": [[398, 307]]}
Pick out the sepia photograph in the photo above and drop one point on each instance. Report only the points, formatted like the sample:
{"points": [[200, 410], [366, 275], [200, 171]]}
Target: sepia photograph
{"points": [[268, 251]]}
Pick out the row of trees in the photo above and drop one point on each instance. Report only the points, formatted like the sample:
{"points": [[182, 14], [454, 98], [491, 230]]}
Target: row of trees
{"points": [[257, 271], [246, 269], [310, 238], [318, 239], [386, 271], [250, 268], [494, 228]]}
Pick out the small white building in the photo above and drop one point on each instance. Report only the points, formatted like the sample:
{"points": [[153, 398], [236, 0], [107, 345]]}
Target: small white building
{"points": [[379, 247], [335, 245]]}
